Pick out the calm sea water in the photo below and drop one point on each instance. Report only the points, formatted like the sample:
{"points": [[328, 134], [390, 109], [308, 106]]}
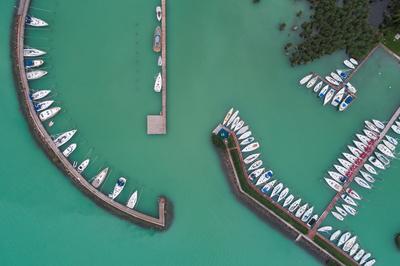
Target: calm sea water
{"points": [[101, 69]]}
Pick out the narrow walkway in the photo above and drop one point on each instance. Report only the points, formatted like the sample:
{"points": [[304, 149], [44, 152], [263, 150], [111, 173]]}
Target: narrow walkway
{"points": [[372, 148]]}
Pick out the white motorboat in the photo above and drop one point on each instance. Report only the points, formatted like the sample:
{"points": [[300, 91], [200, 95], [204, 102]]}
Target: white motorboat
{"points": [[353, 61], [70, 149], [360, 145], [255, 165], [392, 140], [348, 64], [157, 39], [99, 178], [350, 210], [361, 182], [283, 194], [325, 229], [367, 176], [277, 189], [345, 103], [245, 135], [385, 150], [247, 141], [371, 126], [294, 205], [239, 125], [119, 186], [338, 97], [343, 238], [332, 80], [396, 129], [353, 194], [235, 122], [305, 79], [251, 147], [256, 173], [337, 177], [264, 178], [307, 214], [349, 200], [336, 77], [158, 13], [301, 210], [378, 124], [364, 258], [159, 61], [318, 86], [267, 187], [363, 139], [351, 88], [42, 105], [349, 244], [83, 166], [350, 157], [158, 83], [40, 94], [288, 200], [370, 134], [341, 211], [251, 158], [341, 169], [375, 162], [382, 158], [329, 96], [32, 52], [343, 73], [32, 63], [64, 137], [35, 74], [370, 169], [323, 92], [49, 113], [370, 262], [389, 145], [312, 82], [312, 221], [242, 130], [355, 151], [227, 116], [333, 184], [345, 163], [337, 216], [132, 200], [354, 249], [335, 235], [359, 254], [35, 22], [235, 114]]}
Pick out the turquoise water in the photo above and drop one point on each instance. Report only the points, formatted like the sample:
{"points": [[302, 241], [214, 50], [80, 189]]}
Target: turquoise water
{"points": [[101, 70]]}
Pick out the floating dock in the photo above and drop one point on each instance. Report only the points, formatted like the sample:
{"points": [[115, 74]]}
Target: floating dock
{"points": [[157, 124], [46, 142]]}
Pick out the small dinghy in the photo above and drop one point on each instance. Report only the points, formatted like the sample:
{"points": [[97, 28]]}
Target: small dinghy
{"points": [[132, 200], [70, 149], [245, 135], [392, 140], [227, 116], [255, 165], [370, 169], [312, 82], [353, 194], [158, 13], [247, 141], [325, 229], [370, 134], [99, 178], [32, 52], [256, 173], [341, 211], [349, 244], [332, 80], [364, 258], [389, 145], [353, 61], [242, 130], [355, 151], [318, 86], [337, 177], [329, 96], [335, 235], [277, 189], [378, 124], [307, 215], [158, 83], [337, 216], [267, 187], [371, 126], [350, 210], [343, 238], [323, 92], [35, 22], [375, 162], [349, 200], [40, 94], [301, 210], [333, 184], [361, 182], [305, 79], [348, 64], [382, 158], [36, 74], [283, 194], [359, 254], [367, 177], [83, 166], [251, 147], [340, 169], [346, 164], [251, 158], [288, 200], [294, 205], [350, 157]]}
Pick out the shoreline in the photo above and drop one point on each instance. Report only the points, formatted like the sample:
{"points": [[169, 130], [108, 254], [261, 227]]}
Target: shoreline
{"points": [[54, 154]]}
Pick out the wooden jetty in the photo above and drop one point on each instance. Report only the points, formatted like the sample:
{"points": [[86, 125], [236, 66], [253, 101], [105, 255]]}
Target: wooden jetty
{"points": [[157, 124], [160, 223], [333, 202]]}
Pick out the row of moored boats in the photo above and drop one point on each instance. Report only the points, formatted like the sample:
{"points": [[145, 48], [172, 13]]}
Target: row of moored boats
{"points": [[262, 177], [157, 49]]}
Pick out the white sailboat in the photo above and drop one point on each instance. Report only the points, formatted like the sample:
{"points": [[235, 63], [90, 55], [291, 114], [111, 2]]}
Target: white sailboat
{"points": [[301, 210], [32, 63], [363, 139], [333, 184], [370, 169], [378, 124], [35, 22], [324, 229], [344, 238], [329, 96], [349, 244], [348, 64], [318, 86], [345, 163], [370, 262], [239, 125], [251, 158], [389, 145], [132, 200], [323, 92], [336, 77], [277, 189], [255, 165], [288, 200], [385, 150], [353, 61], [158, 83], [242, 130], [40, 94], [338, 97], [159, 61], [83, 166], [332, 80], [43, 105], [392, 140], [70, 149], [99, 178], [267, 187], [32, 52], [235, 122], [335, 235], [359, 254], [256, 173], [49, 113], [64, 137], [245, 135], [353, 194], [235, 114], [247, 141], [35, 74], [305, 79], [307, 214], [251, 147], [356, 152], [341, 169], [337, 216], [337, 177], [283, 194], [312, 82], [350, 157], [294, 205], [361, 182], [349, 200], [370, 134], [371, 126], [360, 145], [350, 210], [341, 211], [119, 186], [396, 129], [382, 158], [367, 177], [364, 258], [375, 162], [227, 116]]}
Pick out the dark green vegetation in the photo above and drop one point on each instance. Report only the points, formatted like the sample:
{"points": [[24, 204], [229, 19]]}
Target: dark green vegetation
{"points": [[333, 27], [217, 141], [320, 242], [397, 240], [391, 26]]}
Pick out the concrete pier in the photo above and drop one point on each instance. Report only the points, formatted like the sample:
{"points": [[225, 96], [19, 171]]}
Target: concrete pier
{"points": [[45, 141], [157, 124]]}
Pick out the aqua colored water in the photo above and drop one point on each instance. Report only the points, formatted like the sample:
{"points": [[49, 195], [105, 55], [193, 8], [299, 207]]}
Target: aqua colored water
{"points": [[101, 69]]}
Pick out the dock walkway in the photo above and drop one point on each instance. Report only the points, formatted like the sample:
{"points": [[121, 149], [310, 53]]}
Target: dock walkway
{"points": [[46, 142]]}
